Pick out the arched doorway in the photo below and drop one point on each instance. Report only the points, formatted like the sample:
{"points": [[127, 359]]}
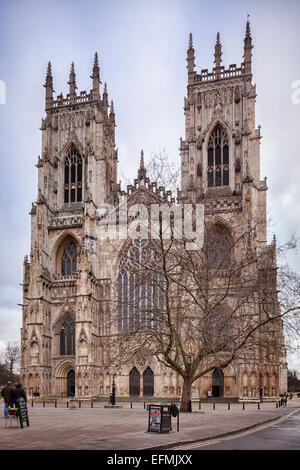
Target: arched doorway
{"points": [[71, 383], [134, 383], [217, 383], [148, 382]]}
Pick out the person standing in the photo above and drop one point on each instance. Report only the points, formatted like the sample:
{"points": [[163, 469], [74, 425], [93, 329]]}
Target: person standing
{"points": [[284, 400], [19, 392], [7, 394]]}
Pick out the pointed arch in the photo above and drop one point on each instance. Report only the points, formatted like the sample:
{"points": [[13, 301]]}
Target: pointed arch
{"points": [[66, 251], [73, 174], [140, 300], [217, 383], [218, 157], [219, 244], [148, 382], [134, 382]]}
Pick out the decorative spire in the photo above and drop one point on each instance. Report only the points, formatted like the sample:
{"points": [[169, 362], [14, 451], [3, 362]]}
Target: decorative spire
{"points": [[96, 77], [218, 55], [112, 111], [248, 48], [72, 83], [49, 87], [105, 96], [142, 166], [190, 59], [142, 169]]}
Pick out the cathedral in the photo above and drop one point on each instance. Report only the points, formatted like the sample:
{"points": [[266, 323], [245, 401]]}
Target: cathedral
{"points": [[72, 279]]}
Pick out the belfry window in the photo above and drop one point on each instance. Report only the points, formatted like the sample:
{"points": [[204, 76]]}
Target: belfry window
{"points": [[218, 158], [73, 176], [69, 260], [67, 337]]}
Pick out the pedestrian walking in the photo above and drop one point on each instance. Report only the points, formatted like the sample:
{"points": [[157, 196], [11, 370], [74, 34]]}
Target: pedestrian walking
{"points": [[7, 394], [284, 400], [19, 392]]}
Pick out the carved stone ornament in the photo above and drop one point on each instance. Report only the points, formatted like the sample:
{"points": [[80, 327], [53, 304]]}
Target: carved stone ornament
{"points": [[82, 336], [237, 165]]}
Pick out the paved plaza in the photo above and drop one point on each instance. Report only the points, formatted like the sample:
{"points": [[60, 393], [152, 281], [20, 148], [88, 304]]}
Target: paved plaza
{"points": [[100, 428]]}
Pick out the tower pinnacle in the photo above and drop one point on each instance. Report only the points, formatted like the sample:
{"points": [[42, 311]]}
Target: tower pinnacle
{"points": [[190, 59], [72, 83], [96, 77], [218, 55], [49, 87], [247, 48]]}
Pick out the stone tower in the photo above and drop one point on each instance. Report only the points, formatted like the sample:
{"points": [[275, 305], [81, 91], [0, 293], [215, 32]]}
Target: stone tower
{"points": [[220, 168], [77, 172]]}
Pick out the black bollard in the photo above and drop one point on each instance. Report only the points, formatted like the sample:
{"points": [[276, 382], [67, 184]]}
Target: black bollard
{"points": [[144, 405], [228, 405], [67, 404], [79, 404], [258, 406], [43, 404], [92, 404], [243, 406], [55, 404], [199, 405], [214, 406], [31, 402], [131, 404]]}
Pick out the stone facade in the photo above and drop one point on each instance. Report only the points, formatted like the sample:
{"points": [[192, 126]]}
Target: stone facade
{"points": [[71, 276]]}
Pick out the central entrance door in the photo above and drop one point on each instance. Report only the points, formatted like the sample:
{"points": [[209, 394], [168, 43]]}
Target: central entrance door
{"points": [[148, 383], [134, 383], [71, 383], [217, 383]]}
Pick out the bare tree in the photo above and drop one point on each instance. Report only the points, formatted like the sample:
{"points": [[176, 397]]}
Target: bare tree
{"points": [[200, 310], [197, 311], [161, 169], [12, 357]]}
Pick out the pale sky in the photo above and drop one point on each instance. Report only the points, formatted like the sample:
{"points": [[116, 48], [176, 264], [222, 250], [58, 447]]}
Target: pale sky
{"points": [[142, 53]]}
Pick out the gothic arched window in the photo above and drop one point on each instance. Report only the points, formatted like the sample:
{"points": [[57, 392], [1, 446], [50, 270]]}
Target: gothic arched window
{"points": [[218, 158], [67, 337], [140, 299], [69, 259], [73, 176], [218, 331], [218, 246]]}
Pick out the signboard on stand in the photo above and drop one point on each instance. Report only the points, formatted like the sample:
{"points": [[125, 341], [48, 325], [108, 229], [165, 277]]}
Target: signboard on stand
{"points": [[23, 412]]}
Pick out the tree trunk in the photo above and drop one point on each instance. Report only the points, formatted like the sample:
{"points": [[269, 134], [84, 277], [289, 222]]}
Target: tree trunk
{"points": [[185, 405]]}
